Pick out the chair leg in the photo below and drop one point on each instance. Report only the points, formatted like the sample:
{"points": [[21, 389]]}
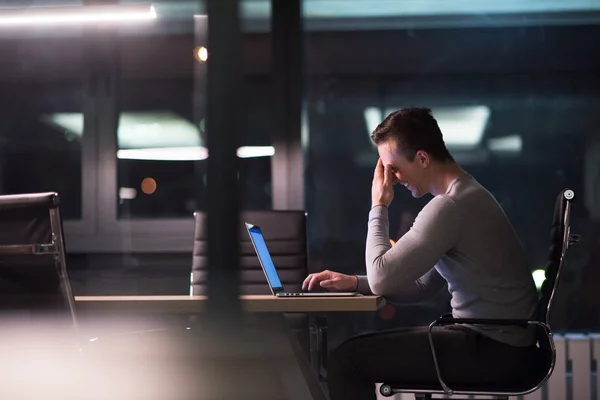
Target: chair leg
{"points": [[427, 396]]}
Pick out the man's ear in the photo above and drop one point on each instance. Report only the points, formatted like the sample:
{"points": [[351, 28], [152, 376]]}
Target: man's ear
{"points": [[423, 158]]}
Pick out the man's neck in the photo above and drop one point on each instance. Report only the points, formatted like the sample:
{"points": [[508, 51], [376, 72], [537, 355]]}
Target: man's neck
{"points": [[444, 174]]}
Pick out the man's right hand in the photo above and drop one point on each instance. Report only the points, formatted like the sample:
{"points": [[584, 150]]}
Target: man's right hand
{"points": [[331, 280]]}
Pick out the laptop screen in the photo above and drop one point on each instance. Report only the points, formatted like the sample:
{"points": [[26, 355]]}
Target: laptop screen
{"points": [[265, 257]]}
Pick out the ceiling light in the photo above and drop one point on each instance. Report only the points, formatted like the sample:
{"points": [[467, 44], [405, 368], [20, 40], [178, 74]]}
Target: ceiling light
{"points": [[506, 144], [201, 53], [255, 151], [373, 117], [127, 193], [152, 135], [152, 129], [191, 153], [137, 129], [195, 153], [75, 14]]}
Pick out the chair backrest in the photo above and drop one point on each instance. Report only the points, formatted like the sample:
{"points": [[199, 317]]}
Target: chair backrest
{"points": [[561, 239], [33, 274], [285, 234]]}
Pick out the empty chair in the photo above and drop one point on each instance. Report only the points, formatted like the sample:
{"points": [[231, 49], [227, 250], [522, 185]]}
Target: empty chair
{"points": [[285, 235], [33, 275], [39, 347]]}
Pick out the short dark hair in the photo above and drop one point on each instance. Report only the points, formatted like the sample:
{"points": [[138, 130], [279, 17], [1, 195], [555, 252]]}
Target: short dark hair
{"points": [[413, 129]]}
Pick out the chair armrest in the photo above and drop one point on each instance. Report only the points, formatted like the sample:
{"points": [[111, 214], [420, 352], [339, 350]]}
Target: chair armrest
{"points": [[446, 320]]}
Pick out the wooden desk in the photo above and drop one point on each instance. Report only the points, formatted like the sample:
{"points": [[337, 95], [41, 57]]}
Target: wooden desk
{"points": [[251, 303]]}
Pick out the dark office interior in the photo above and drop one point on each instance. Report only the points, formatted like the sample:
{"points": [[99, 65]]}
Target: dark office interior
{"points": [[119, 119]]}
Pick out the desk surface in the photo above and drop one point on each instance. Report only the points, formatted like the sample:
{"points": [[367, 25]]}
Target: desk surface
{"points": [[251, 303]]}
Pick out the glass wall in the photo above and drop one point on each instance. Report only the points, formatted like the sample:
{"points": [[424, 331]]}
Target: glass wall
{"points": [[153, 163], [514, 97], [161, 137], [41, 133], [113, 120], [157, 141]]}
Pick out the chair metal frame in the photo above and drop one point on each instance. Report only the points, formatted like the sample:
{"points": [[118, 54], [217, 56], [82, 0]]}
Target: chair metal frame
{"points": [[55, 248], [568, 240]]}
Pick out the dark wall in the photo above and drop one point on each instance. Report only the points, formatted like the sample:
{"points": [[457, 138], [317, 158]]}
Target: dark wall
{"points": [[520, 50]]}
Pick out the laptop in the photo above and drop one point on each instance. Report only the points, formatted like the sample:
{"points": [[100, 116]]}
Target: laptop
{"points": [[258, 241]]}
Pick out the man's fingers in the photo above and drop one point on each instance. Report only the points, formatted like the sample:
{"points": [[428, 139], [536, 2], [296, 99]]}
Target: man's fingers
{"points": [[378, 174], [327, 283], [314, 280], [386, 175], [389, 177], [306, 281]]}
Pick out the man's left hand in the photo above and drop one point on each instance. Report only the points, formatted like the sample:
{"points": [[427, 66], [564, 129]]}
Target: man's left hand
{"points": [[382, 190]]}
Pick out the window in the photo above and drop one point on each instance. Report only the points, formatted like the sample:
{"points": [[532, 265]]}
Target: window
{"points": [[161, 135], [160, 153]]}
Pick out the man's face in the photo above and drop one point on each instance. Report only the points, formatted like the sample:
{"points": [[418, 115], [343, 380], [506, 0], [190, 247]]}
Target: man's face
{"points": [[411, 175]]}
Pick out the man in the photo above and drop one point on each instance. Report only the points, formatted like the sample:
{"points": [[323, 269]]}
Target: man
{"points": [[461, 238]]}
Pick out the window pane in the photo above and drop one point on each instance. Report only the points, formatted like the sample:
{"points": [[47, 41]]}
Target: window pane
{"points": [[161, 137], [41, 127], [160, 161], [164, 174]]}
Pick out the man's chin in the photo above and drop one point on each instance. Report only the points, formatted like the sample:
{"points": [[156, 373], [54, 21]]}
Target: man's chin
{"points": [[416, 195]]}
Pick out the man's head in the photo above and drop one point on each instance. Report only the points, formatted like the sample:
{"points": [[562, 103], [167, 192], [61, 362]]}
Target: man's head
{"points": [[411, 141]]}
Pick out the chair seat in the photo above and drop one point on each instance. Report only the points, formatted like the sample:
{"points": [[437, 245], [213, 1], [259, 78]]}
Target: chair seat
{"points": [[470, 384], [501, 387]]}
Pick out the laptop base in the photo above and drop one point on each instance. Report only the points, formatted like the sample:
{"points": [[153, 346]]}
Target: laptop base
{"points": [[322, 294]]}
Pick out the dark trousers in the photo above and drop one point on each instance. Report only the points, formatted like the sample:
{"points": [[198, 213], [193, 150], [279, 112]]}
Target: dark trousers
{"points": [[404, 355]]}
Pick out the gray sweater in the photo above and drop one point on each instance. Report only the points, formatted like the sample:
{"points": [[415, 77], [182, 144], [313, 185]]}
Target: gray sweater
{"points": [[464, 239]]}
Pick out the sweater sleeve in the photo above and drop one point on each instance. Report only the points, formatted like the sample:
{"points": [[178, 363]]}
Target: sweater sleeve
{"points": [[422, 289], [392, 271]]}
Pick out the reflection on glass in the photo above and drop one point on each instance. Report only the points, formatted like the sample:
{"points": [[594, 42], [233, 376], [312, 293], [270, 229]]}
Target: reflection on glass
{"points": [[74, 15], [162, 168], [516, 104], [463, 126], [201, 53], [38, 155]]}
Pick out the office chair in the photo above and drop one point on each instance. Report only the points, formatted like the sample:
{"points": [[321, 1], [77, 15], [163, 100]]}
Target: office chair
{"points": [[33, 275], [40, 352], [561, 240], [285, 234]]}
